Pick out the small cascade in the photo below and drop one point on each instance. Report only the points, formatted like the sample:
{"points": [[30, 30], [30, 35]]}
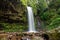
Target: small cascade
{"points": [[31, 20]]}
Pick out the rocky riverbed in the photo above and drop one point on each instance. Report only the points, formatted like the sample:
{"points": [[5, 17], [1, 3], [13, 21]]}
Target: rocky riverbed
{"points": [[20, 36], [28, 36]]}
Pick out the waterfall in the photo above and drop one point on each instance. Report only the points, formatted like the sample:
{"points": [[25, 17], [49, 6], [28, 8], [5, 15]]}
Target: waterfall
{"points": [[31, 20]]}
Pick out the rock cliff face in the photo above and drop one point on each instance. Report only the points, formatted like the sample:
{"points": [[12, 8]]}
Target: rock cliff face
{"points": [[12, 11]]}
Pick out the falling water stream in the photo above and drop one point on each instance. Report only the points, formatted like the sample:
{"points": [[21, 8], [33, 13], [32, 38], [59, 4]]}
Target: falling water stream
{"points": [[31, 20]]}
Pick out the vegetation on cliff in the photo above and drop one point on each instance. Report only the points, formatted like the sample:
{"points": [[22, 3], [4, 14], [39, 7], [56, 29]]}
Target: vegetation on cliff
{"points": [[13, 14]]}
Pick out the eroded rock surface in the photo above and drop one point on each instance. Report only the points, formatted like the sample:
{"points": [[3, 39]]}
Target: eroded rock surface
{"points": [[12, 11]]}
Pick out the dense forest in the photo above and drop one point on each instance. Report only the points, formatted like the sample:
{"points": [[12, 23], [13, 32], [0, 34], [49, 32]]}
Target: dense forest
{"points": [[13, 14]]}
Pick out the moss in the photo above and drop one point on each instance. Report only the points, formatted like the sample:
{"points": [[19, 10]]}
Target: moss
{"points": [[54, 36]]}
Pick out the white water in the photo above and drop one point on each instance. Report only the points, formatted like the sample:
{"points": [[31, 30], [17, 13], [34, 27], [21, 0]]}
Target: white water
{"points": [[31, 20]]}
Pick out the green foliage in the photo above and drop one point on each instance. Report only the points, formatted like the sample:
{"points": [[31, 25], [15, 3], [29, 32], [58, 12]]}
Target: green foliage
{"points": [[49, 14], [32, 3], [14, 27], [24, 2], [13, 15]]}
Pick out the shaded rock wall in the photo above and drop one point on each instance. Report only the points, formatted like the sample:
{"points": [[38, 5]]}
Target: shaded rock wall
{"points": [[12, 11]]}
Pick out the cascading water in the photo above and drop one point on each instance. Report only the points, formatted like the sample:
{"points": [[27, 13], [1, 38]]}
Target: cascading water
{"points": [[31, 20]]}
